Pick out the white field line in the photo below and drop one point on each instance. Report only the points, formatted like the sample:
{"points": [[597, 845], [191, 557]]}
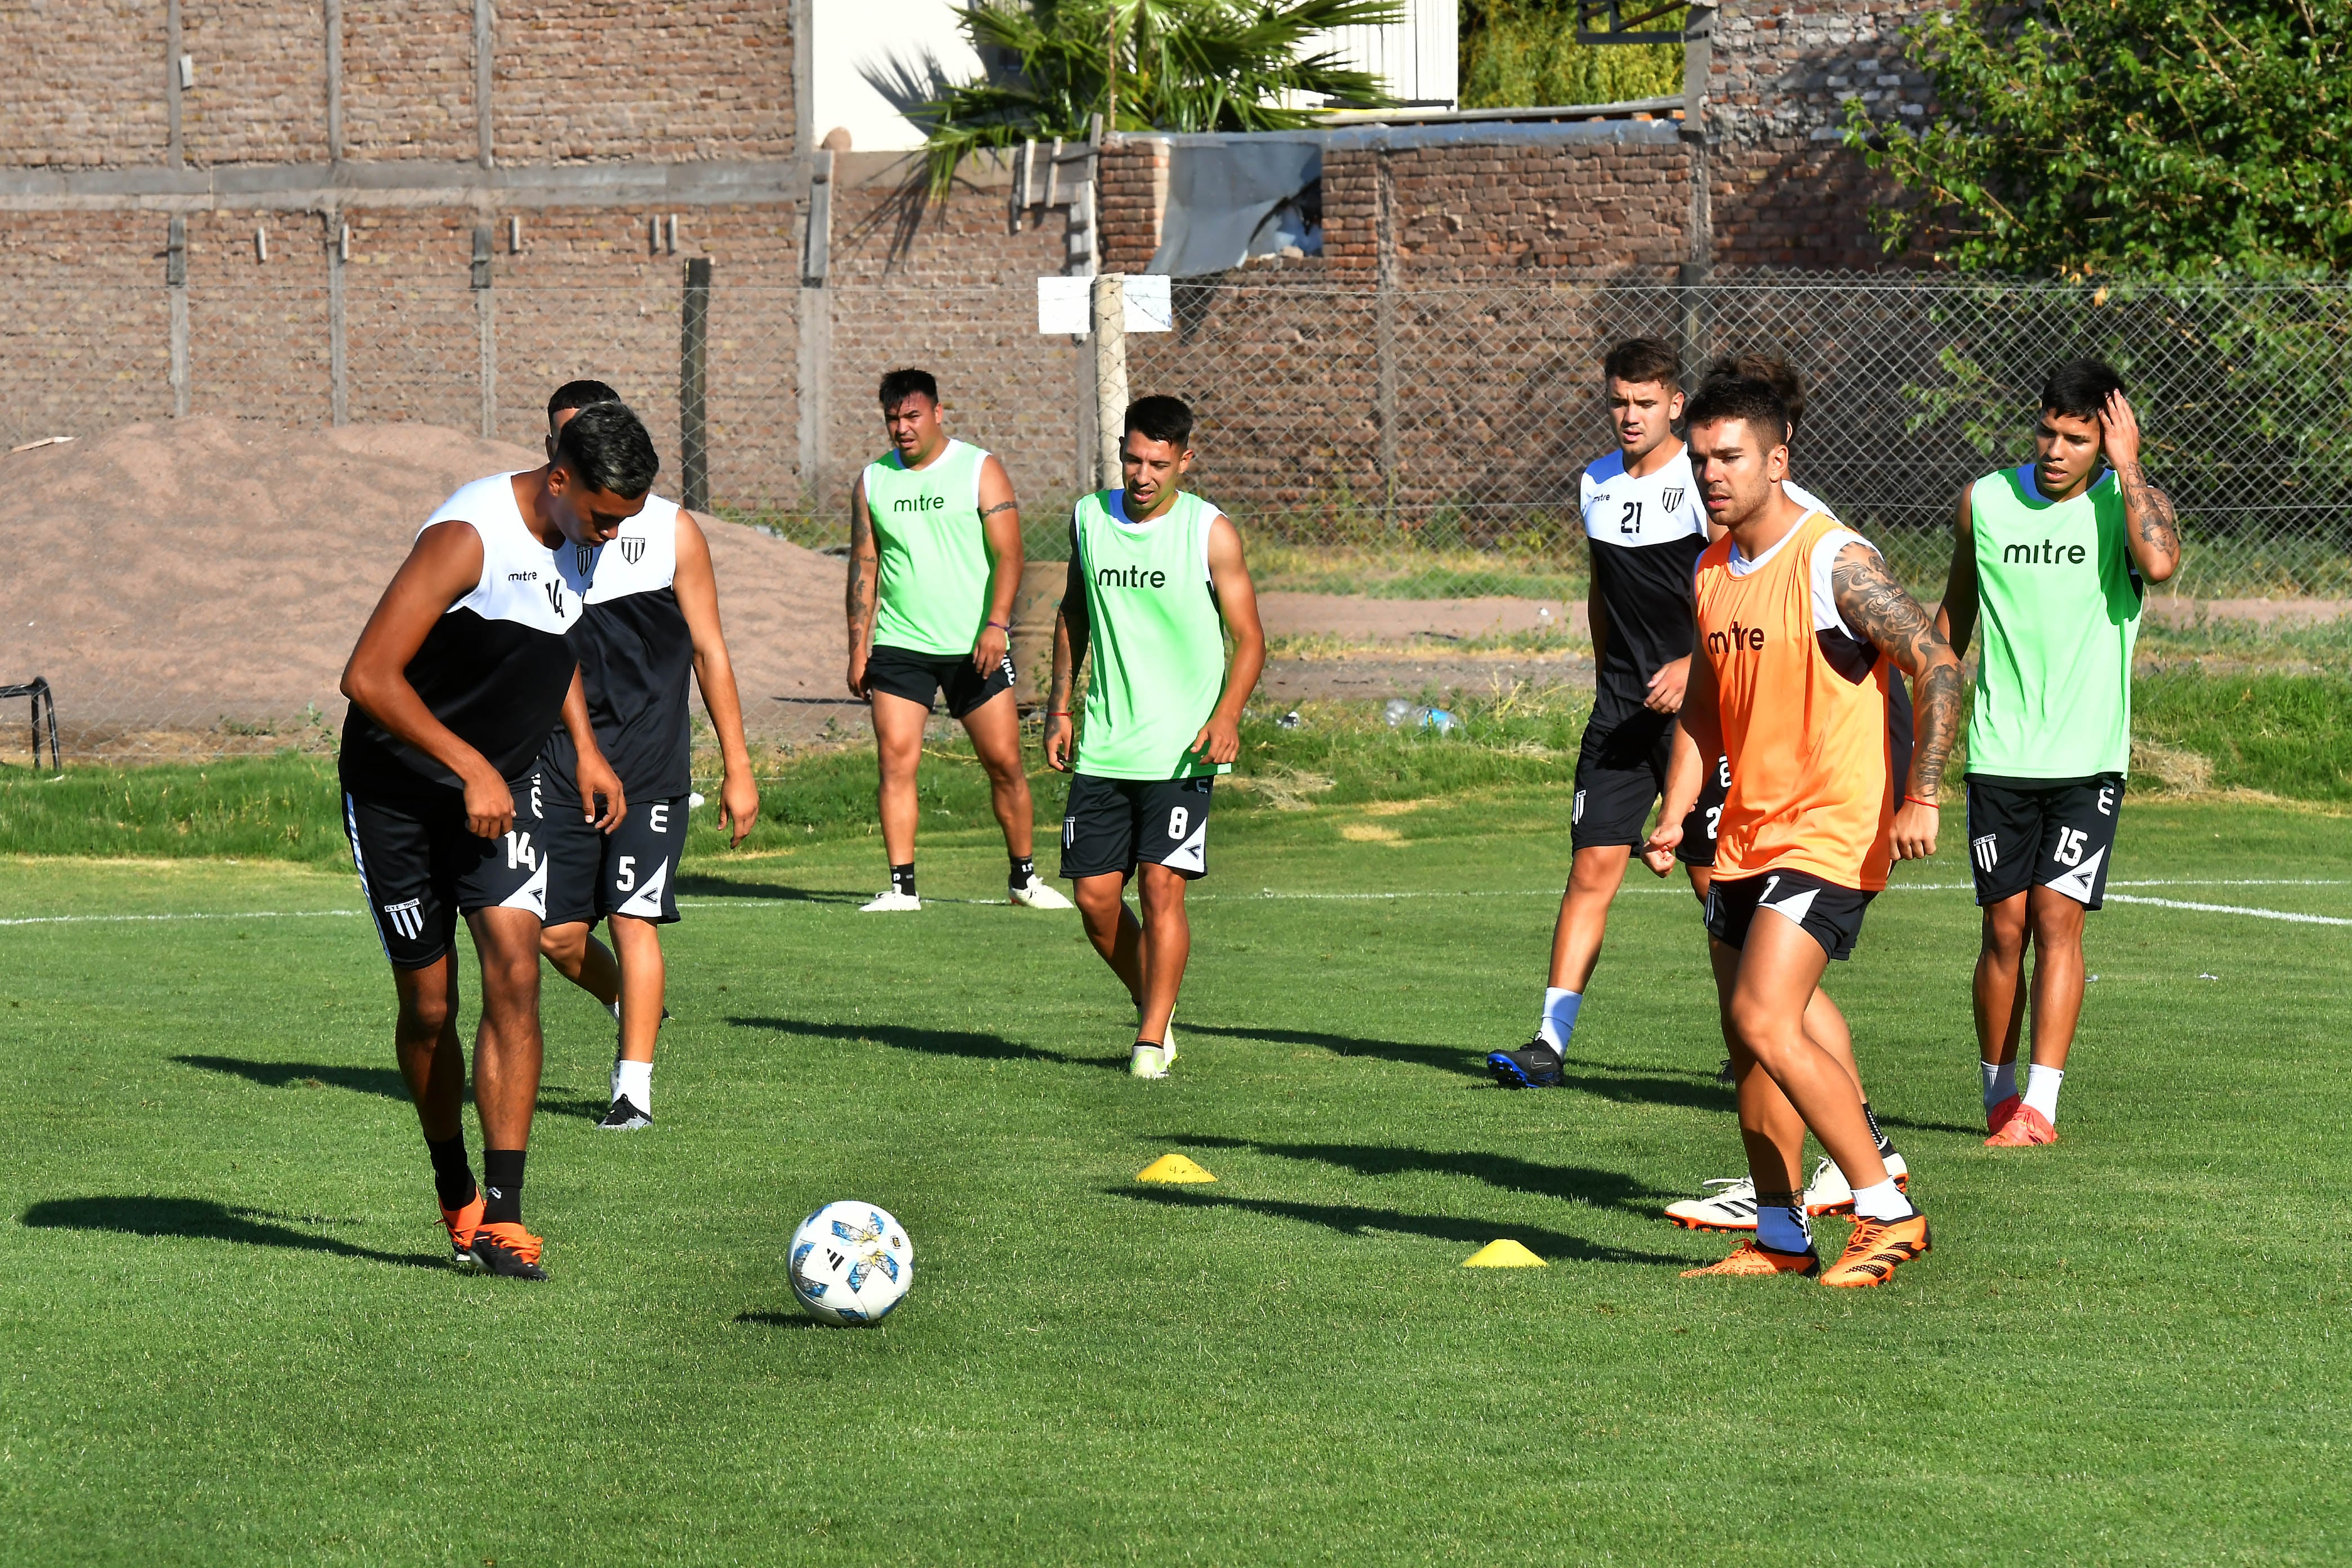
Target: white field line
{"points": [[1269, 893]]}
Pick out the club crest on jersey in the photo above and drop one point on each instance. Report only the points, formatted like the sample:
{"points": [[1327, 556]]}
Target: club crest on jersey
{"points": [[1672, 498], [586, 554], [633, 551]]}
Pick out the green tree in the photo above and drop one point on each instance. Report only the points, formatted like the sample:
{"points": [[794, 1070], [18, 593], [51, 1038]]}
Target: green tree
{"points": [[1183, 65], [1516, 53], [2080, 136]]}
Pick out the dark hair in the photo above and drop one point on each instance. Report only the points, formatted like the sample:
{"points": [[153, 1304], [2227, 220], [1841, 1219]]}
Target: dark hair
{"points": [[1773, 372], [1161, 418], [1740, 397], [901, 384], [1637, 360], [606, 448], [2079, 388], [578, 394]]}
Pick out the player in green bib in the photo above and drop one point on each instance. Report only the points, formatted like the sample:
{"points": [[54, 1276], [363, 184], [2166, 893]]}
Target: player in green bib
{"points": [[1157, 581], [2051, 558], [934, 563]]}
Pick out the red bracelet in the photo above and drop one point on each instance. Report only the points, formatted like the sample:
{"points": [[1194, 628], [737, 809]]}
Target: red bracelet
{"points": [[1930, 804], [1057, 713]]}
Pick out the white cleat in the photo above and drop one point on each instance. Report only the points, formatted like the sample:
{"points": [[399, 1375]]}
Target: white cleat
{"points": [[1148, 1061], [890, 903], [1168, 1044], [1830, 1192], [1038, 896], [1731, 1206]]}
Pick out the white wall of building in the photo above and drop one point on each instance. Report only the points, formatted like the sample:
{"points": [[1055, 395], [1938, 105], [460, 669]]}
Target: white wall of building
{"points": [[859, 42]]}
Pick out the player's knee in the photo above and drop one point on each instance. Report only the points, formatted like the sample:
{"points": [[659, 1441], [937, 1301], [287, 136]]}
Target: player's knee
{"points": [[566, 946], [426, 1012]]}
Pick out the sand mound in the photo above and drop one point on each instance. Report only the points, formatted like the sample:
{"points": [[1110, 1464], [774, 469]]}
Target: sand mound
{"points": [[208, 577]]}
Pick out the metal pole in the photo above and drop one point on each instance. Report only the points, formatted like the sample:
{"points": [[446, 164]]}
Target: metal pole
{"points": [[486, 317], [1109, 303], [175, 287], [338, 350], [693, 347], [1384, 331]]}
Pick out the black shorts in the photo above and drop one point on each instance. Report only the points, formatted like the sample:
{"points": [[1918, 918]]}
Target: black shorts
{"points": [[1832, 915], [631, 870], [2055, 833], [921, 677], [420, 869], [1111, 825], [1621, 772]]}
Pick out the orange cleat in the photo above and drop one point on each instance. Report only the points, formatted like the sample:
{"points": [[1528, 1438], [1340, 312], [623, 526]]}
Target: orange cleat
{"points": [[462, 1224], [1998, 1116], [507, 1249], [1877, 1249], [1752, 1259], [2028, 1126]]}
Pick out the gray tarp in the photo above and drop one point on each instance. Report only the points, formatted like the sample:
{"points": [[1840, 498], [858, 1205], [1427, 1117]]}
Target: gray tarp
{"points": [[1220, 193]]}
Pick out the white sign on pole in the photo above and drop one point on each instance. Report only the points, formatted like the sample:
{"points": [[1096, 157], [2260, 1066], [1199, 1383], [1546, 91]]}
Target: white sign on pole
{"points": [[1064, 305]]}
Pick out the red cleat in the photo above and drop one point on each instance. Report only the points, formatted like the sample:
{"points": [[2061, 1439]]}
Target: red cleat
{"points": [[2028, 1126], [1996, 1117]]}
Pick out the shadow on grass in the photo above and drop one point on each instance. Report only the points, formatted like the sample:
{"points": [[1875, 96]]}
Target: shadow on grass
{"points": [[706, 887], [385, 1081], [779, 1320], [1705, 1082], [204, 1220], [1444, 1058], [1575, 1183], [931, 1042], [1351, 1219]]}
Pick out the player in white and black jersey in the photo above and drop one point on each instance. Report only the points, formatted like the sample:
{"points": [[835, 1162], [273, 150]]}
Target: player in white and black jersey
{"points": [[462, 670], [655, 602], [1645, 528]]}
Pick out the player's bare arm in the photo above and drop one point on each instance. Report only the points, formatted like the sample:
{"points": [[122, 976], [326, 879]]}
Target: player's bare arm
{"points": [[999, 520], [865, 580], [1874, 603], [443, 567], [1955, 618], [1071, 628], [2151, 532], [1698, 737], [696, 586], [1219, 740], [593, 775]]}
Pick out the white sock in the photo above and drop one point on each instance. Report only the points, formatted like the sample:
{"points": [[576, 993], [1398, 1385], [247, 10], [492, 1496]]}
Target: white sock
{"points": [[2042, 1089], [635, 1081], [1558, 1024], [1783, 1227], [1999, 1081], [1884, 1201]]}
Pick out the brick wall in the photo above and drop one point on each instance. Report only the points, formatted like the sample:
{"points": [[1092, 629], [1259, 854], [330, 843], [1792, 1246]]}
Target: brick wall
{"points": [[583, 81], [408, 79], [85, 342], [84, 83], [1134, 193], [1786, 193], [260, 93]]}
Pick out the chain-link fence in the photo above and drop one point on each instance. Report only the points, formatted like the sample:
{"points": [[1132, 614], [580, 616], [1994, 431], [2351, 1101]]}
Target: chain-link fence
{"points": [[1413, 442]]}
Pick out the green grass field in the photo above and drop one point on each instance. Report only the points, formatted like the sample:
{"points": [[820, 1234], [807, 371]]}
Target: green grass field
{"points": [[230, 1339]]}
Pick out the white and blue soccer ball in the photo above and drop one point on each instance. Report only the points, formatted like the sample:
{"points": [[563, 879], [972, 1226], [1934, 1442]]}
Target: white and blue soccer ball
{"points": [[851, 1263]]}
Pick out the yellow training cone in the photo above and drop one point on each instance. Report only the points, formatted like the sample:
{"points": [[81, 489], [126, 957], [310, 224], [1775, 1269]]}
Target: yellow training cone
{"points": [[1504, 1254], [1172, 1168]]}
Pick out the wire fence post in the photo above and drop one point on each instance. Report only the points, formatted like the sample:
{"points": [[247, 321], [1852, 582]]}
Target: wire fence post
{"points": [[1384, 290], [338, 251], [485, 316], [693, 350], [1109, 322], [175, 285]]}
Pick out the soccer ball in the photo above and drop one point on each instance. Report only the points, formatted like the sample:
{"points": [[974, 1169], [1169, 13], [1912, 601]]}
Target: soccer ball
{"points": [[851, 1263]]}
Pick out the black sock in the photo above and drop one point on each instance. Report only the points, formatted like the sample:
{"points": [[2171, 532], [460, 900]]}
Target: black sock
{"points": [[452, 1177], [1024, 866], [502, 1184], [1885, 1144], [902, 879]]}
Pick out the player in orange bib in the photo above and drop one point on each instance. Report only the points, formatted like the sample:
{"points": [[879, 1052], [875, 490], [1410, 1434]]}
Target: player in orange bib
{"points": [[1800, 629]]}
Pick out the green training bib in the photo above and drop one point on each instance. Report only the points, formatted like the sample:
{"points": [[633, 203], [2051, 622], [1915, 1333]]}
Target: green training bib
{"points": [[934, 555], [2058, 611], [1159, 643]]}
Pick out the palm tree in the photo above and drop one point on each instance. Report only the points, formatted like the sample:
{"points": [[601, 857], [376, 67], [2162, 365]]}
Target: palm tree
{"points": [[1183, 64]]}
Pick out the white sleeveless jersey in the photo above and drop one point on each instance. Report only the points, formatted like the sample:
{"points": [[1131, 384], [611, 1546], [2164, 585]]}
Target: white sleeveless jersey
{"points": [[1646, 532], [496, 666]]}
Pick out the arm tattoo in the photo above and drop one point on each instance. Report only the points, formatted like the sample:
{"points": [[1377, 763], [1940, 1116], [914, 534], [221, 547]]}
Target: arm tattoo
{"points": [[2148, 510], [1874, 603], [861, 582], [1000, 506]]}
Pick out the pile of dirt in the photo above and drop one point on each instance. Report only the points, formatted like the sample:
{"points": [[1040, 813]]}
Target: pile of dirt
{"points": [[202, 576]]}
